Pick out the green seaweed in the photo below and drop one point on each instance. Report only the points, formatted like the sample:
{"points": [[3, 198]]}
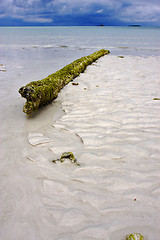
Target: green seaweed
{"points": [[67, 156], [156, 98], [1, 69], [42, 92], [135, 236], [62, 46]]}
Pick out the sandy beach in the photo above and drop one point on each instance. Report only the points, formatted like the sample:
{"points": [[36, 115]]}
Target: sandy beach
{"points": [[111, 122]]}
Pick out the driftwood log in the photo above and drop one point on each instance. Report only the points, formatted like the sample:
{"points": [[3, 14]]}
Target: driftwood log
{"points": [[42, 92]]}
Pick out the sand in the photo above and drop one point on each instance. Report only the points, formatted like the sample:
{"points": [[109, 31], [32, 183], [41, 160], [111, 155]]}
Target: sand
{"points": [[112, 125]]}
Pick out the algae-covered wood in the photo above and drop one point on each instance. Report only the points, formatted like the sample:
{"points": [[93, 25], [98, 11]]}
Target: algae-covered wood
{"points": [[42, 92]]}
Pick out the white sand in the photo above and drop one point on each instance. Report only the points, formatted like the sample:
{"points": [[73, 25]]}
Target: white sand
{"points": [[112, 125]]}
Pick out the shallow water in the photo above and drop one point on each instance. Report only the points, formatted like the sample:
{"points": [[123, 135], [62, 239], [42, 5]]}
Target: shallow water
{"points": [[110, 121], [126, 40]]}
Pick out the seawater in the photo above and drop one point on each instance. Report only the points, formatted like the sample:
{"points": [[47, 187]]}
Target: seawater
{"points": [[129, 40], [39, 51]]}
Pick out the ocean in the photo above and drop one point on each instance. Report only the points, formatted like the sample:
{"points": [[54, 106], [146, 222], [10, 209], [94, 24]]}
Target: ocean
{"points": [[109, 121], [126, 40]]}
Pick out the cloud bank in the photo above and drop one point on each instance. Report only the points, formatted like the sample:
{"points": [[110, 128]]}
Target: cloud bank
{"points": [[84, 12]]}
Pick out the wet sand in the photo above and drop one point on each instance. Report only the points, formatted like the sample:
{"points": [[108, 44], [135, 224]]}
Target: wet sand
{"points": [[111, 122]]}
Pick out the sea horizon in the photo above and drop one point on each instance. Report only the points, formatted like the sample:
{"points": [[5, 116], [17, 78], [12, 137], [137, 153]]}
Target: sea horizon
{"points": [[100, 25]]}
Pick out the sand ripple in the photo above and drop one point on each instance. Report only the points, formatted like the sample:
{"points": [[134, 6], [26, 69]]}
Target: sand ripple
{"points": [[112, 125], [116, 189]]}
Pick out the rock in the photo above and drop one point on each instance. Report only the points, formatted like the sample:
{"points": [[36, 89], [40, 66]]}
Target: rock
{"points": [[75, 84]]}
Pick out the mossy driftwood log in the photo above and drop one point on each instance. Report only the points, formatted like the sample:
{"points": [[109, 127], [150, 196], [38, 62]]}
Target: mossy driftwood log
{"points": [[42, 92]]}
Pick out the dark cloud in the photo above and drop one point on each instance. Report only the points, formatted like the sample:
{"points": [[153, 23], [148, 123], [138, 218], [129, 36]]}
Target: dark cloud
{"points": [[84, 12]]}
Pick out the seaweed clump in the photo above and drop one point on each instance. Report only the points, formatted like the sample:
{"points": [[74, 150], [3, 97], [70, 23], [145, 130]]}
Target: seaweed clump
{"points": [[120, 56], [135, 236], [67, 156], [42, 92]]}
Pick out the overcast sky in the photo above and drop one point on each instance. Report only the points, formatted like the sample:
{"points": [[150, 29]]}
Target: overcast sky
{"points": [[79, 12]]}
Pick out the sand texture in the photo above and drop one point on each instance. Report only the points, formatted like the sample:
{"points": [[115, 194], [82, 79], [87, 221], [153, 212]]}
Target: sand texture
{"points": [[112, 125]]}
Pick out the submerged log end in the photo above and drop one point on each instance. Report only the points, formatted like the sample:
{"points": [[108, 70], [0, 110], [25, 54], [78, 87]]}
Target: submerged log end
{"points": [[42, 92]]}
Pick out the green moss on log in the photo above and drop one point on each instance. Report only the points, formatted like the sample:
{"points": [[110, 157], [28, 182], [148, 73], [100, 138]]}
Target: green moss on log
{"points": [[42, 92]]}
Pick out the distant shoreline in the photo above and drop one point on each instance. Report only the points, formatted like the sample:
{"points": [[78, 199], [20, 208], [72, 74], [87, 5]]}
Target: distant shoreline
{"points": [[134, 26]]}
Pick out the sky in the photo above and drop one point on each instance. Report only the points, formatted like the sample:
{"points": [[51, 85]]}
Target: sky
{"points": [[79, 12]]}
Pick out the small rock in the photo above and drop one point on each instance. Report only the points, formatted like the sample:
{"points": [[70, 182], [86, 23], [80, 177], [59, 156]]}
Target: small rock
{"points": [[75, 83]]}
